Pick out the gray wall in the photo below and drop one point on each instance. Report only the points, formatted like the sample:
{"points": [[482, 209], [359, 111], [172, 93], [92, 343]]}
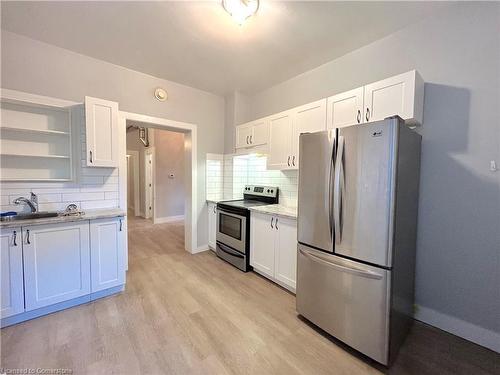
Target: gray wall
{"points": [[36, 67], [169, 156], [458, 54]]}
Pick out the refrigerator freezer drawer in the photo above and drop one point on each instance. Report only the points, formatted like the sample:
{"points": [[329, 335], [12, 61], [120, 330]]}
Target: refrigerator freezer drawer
{"points": [[347, 299]]}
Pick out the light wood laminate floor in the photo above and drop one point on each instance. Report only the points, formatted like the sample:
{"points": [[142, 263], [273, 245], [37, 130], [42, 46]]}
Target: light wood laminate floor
{"points": [[196, 314]]}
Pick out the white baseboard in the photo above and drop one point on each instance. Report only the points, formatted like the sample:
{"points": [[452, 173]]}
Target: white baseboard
{"points": [[461, 328], [201, 249], [167, 219]]}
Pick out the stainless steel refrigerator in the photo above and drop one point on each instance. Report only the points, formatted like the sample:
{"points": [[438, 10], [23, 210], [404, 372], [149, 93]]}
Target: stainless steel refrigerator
{"points": [[357, 222]]}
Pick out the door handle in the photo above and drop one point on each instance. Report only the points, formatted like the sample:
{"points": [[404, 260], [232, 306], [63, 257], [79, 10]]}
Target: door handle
{"points": [[28, 237], [288, 161], [91, 158], [338, 189], [272, 219], [367, 114], [276, 224], [358, 117], [15, 238], [329, 262]]}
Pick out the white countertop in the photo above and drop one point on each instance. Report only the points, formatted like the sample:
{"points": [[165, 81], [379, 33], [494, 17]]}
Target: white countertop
{"points": [[88, 215], [278, 210]]}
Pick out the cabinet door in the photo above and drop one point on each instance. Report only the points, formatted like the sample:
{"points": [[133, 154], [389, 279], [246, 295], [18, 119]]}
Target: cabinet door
{"points": [[107, 253], [260, 132], [11, 273], [345, 109], [308, 118], [262, 242], [212, 224], [286, 252], [101, 123], [394, 96], [280, 141], [243, 133], [56, 263]]}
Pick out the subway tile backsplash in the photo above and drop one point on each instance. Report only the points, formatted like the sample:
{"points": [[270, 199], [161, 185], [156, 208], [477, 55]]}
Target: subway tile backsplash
{"points": [[240, 170]]}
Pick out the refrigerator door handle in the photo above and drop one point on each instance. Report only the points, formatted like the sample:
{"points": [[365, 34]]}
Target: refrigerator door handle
{"points": [[330, 190], [326, 260], [338, 190]]}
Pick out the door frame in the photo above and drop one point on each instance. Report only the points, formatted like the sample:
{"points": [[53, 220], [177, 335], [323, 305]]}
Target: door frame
{"points": [[149, 192], [134, 155], [192, 208]]}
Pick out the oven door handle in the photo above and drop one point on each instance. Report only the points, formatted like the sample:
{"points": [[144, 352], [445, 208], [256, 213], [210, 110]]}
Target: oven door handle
{"points": [[229, 251]]}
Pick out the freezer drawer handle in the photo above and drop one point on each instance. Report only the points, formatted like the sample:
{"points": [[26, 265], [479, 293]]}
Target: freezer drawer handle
{"points": [[352, 270]]}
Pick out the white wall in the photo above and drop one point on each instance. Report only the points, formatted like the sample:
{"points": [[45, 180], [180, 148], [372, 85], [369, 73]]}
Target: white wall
{"points": [[40, 68], [458, 54]]}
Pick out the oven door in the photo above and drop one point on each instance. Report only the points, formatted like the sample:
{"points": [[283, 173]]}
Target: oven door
{"points": [[231, 229]]}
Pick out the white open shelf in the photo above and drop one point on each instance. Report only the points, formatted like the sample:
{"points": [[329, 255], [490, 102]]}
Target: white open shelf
{"points": [[35, 142]]}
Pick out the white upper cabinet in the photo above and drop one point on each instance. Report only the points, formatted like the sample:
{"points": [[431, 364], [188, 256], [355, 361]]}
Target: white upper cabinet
{"points": [[107, 253], [11, 273], [56, 263], [280, 141], [101, 122], [307, 118], [252, 134], [345, 109], [401, 95]]}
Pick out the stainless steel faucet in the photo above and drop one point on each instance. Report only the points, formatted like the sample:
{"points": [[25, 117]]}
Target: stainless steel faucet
{"points": [[32, 202]]}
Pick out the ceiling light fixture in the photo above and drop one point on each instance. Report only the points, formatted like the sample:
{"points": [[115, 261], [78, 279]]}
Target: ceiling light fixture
{"points": [[240, 10]]}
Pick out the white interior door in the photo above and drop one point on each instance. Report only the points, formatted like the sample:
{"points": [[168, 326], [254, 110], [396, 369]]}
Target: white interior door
{"points": [[149, 183], [11, 272], [101, 124], [345, 109]]}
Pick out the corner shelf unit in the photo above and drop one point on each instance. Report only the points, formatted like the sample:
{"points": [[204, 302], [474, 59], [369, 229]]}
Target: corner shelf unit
{"points": [[35, 139]]}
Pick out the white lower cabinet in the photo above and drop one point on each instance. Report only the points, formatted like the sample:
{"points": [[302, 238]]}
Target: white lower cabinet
{"points": [[212, 224], [107, 253], [11, 272], [273, 248], [56, 263]]}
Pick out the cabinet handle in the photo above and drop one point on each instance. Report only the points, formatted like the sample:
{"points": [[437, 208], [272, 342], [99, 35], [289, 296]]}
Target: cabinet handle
{"points": [[272, 219], [276, 224], [367, 114], [247, 139], [251, 139], [215, 209], [91, 159], [28, 237], [293, 160], [15, 238], [121, 224], [288, 161], [358, 117]]}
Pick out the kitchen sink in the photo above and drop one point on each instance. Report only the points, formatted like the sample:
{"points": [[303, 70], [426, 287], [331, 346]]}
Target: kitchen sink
{"points": [[29, 216]]}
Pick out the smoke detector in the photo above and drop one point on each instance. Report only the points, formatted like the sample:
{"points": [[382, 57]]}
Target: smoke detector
{"points": [[161, 94]]}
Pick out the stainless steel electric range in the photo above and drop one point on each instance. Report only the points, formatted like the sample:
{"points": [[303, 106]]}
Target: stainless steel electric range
{"points": [[233, 224]]}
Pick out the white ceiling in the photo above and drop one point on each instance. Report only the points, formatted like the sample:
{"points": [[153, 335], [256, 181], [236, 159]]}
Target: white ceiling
{"points": [[198, 44]]}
